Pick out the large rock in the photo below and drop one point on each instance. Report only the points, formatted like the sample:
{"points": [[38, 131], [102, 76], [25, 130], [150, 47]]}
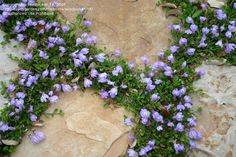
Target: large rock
{"points": [[137, 28], [86, 129], [217, 121], [8, 67]]}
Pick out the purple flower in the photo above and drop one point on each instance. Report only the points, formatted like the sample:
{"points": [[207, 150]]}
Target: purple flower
{"points": [[116, 53], [230, 47], [56, 30], [159, 128], [188, 31], [87, 83], [185, 75], [168, 106], [77, 62], [202, 19], [104, 94], [179, 116], [33, 43], [178, 148], [231, 28], [79, 41], [11, 88], [131, 66], [220, 14], [170, 124], [20, 37], [53, 99], [152, 143], [157, 117], [188, 105], [28, 56], [158, 81], [176, 93], [113, 92], [200, 72], [20, 95], [219, 43], [187, 98], [37, 137], [84, 51], [155, 97], [43, 55], [44, 97], [184, 64], [62, 49], [180, 107], [193, 28], [179, 127], [93, 73], [87, 23], [144, 113], [117, 70], [132, 153], [82, 10], [45, 73], [131, 138], [69, 72], [102, 78], [174, 49], [192, 144], [205, 30], [194, 134], [57, 87], [190, 51], [100, 57], [171, 58], [53, 74], [204, 5], [183, 41], [228, 34], [65, 28], [33, 118], [144, 59], [66, 88], [150, 87], [234, 5], [128, 121], [191, 122], [189, 20], [161, 55], [144, 121]]}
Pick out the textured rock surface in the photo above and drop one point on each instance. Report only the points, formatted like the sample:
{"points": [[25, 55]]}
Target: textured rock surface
{"points": [[87, 129], [8, 68], [217, 121], [137, 28]]}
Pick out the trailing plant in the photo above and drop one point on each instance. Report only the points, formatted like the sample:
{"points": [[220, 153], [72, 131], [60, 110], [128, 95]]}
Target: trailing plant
{"points": [[58, 59]]}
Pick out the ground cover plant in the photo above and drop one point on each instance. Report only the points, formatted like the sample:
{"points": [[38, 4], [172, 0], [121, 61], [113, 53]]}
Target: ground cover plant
{"points": [[62, 58]]}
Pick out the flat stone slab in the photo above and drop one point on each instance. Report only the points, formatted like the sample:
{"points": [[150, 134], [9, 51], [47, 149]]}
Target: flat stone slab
{"points": [[86, 129], [137, 28], [217, 121]]}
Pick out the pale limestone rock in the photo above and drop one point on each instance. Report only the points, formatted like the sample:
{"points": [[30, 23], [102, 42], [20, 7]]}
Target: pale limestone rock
{"points": [[217, 121], [216, 3], [93, 127], [8, 68]]}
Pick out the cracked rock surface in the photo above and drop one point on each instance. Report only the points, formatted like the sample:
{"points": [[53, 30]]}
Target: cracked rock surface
{"points": [[217, 121]]}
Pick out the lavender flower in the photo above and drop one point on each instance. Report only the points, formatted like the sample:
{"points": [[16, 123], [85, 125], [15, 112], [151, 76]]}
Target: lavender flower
{"points": [[174, 49], [113, 92], [191, 122], [193, 28], [220, 14], [202, 19], [44, 97], [171, 58], [183, 41], [37, 137], [144, 113], [104, 94], [79, 41], [187, 98], [189, 20], [77, 62], [116, 53], [144, 59], [66, 88], [117, 70], [28, 56], [179, 116], [53, 74], [230, 47], [102, 78], [33, 118], [87, 23], [65, 28], [155, 97], [20, 95], [144, 121], [57, 87], [179, 127], [132, 153], [157, 117], [128, 121], [69, 72], [158, 81], [205, 30], [11, 88], [192, 144], [176, 93], [219, 43], [87, 83], [159, 128], [190, 51], [170, 124], [43, 55], [20, 37], [200, 72], [228, 34], [53, 99], [100, 57], [178, 148], [161, 55], [131, 66], [45, 73], [193, 134]]}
